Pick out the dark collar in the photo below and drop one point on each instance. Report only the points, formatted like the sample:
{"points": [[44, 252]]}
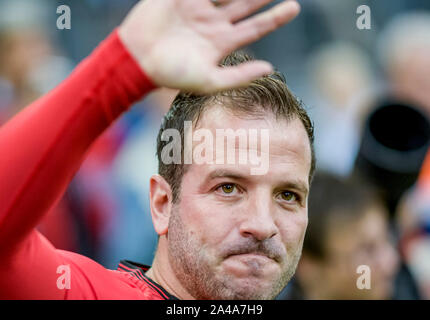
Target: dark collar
{"points": [[138, 270]]}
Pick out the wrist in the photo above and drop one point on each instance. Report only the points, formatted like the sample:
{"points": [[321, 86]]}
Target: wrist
{"points": [[119, 75], [139, 49]]}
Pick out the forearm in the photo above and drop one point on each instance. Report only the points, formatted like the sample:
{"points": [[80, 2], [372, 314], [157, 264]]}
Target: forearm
{"points": [[42, 147]]}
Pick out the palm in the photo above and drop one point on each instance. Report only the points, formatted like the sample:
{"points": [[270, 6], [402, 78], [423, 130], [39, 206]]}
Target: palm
{"points": [[183, 41]]}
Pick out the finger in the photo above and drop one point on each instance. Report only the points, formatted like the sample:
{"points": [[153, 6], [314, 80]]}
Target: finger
{"points": [[223, 78], [256, 27], [239, 9]]}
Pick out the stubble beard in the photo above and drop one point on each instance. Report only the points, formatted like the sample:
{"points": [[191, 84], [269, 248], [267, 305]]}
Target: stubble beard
{"points": [[191, 266]]}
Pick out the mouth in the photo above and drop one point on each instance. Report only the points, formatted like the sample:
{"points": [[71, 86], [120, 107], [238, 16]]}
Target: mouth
{"points": [[253, 256], [253, 264]]}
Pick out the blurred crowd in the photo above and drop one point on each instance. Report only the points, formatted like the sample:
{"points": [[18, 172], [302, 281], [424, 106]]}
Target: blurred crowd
{"points": [[367, 91]]}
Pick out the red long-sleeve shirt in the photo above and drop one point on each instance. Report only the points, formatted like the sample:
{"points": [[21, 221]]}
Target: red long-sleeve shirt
{"points": [[40, 150]]}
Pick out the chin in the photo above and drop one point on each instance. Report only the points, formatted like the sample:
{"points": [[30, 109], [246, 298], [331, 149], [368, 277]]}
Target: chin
{"points": [[250, 289]]}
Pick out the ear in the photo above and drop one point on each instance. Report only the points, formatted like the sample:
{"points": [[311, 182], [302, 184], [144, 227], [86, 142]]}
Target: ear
{"points": [[160, 199]]}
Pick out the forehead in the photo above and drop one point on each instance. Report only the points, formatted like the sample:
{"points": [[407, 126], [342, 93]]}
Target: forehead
{"points": [[288, 150]]}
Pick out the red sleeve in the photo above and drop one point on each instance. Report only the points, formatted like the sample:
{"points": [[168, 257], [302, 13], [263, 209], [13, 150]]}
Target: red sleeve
{"points": [[42, 147]]}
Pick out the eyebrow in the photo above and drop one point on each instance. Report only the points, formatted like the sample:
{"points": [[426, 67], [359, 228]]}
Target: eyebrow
{"points": [[295, 184], [223, 173]]}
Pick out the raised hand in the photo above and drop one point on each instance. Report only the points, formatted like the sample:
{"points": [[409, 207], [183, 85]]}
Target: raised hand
{"points": [[179, 43]]}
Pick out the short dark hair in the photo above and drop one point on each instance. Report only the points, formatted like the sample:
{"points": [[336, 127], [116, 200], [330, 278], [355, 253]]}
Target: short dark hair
{"points": [[266, 94], [334, 198]]}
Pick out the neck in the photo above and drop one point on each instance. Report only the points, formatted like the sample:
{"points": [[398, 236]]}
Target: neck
{"points": [[162, 273]]}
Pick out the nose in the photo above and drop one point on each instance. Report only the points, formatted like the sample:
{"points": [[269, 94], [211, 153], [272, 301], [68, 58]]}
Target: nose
{"points": [[258, 220]]}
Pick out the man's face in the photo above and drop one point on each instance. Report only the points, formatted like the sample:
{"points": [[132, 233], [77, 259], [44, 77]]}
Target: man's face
{"points": [[234, 235], [362, 242]]}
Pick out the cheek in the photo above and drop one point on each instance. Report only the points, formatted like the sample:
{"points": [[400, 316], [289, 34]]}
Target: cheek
{"points": [[292, 228], [208, 223]]}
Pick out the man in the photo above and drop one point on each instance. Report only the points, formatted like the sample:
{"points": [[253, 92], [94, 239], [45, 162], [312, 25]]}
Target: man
{"points": [[348, 228], [226, 230]]}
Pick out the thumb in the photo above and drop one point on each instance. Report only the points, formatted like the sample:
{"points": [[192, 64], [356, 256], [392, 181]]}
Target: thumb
{"points": [[238, 76]]}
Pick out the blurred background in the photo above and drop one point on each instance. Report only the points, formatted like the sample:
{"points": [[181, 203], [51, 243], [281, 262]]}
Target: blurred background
{"points": [[367, 91]]}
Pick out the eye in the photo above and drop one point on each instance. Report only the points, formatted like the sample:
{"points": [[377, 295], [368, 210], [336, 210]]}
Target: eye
{"points": [[288, 196], [227, 189]]}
